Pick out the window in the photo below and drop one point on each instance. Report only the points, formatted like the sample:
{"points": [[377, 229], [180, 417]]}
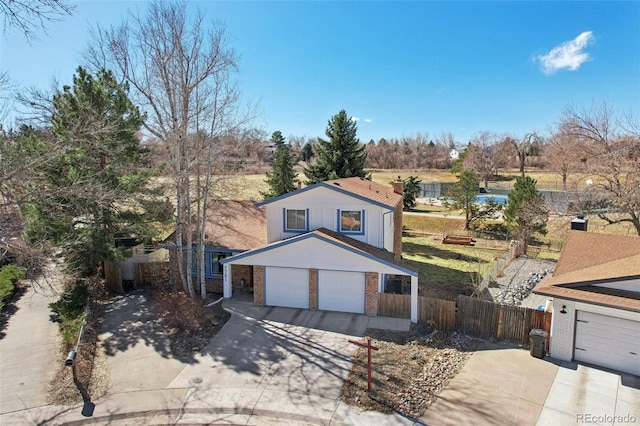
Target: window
{"points": [[351, 221], [212, 265], [295, 220]]}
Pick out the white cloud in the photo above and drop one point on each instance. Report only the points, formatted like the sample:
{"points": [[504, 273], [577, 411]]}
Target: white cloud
{"points": [[368, 120], [568, 55], [355, 118]]}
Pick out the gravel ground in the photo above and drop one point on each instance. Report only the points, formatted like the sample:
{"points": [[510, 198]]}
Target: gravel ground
{"points": [[514, 287]]}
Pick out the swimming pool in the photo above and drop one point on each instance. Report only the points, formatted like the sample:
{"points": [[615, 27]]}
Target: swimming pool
{"points": [[500, 199]]}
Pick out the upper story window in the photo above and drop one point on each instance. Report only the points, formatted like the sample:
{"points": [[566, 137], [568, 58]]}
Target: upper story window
{"points": [[295, 220], [351, 221]]}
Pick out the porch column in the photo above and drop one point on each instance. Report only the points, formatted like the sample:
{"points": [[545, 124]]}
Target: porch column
{"points": [[414, 299], [226, 281]]}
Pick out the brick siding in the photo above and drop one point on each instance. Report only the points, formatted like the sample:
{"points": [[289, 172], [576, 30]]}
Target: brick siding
{"points": [[562, 330], [397, 231], [313, 289], [371, 293], [258, 285]]}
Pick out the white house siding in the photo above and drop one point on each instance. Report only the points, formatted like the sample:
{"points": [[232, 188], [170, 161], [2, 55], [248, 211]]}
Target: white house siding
{"points": [[323, 205], [562, 329], [313, 253], [563, 326]]}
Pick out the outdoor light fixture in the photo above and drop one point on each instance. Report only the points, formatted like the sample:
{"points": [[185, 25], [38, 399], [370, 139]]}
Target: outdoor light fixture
{"points": [[564, 309], [71, 357]]}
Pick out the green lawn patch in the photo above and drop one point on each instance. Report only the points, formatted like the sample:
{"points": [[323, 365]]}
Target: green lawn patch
{"points": [[9, 274], [446, 270]]}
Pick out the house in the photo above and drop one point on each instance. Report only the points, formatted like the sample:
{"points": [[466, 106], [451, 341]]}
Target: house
{"points": [[331, 246], [596, 301], [232, 227]]}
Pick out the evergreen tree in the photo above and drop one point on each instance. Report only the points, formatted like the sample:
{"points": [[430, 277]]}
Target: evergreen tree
{"points": [[95, 187], [463, 197], [341, 156], [307, 152], [282, 178], [411, 189], [526, 212]]}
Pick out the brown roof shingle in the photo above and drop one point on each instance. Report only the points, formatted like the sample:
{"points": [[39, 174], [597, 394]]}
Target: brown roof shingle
{"points": [[589, 258], [234, 225], [365, 188]]}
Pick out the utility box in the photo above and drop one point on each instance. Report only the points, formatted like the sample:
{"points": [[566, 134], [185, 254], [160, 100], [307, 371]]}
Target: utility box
{"points": [[537, 343]]}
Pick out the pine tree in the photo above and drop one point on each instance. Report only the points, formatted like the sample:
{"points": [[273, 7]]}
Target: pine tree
{"points": [[341, 156], [411, 190], [282, 178], [526, 212], [462, 196], [95, 186]]}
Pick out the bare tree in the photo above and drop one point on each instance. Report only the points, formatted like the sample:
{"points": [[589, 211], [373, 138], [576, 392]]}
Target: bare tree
{"points": [[485, 155], [182, 74], [563, 152], [527, 146], [27, 16], [612, 155]]}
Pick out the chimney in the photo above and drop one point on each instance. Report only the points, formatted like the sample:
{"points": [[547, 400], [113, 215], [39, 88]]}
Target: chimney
{"points": [[398, 186], [299, 184], [579, 223]]}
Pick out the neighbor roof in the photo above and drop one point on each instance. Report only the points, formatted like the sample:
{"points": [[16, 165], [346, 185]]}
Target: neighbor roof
{"points": [[588, 259], [353, 186], [234, 225]]}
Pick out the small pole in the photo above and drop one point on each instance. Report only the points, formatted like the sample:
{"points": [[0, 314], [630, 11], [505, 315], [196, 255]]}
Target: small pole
{"points": [[369, 346]]}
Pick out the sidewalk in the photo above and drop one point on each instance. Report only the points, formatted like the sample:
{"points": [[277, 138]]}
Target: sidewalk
{"points": [[267, 365], [28, 346]]}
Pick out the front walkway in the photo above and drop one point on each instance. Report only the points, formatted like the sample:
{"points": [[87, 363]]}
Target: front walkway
{"points": [[28, 347]]}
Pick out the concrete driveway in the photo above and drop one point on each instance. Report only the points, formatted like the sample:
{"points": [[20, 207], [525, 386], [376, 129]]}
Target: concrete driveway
{"points": [[286, 366], [502, 385]]}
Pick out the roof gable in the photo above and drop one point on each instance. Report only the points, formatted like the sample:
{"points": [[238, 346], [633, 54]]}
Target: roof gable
{"points": [[589, 259], [338, 240], [603, 255], [355, 187]]}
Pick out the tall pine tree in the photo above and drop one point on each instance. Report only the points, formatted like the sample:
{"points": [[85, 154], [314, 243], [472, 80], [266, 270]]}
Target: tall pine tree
{"points": [[95, 186], [282, 178], [526, 212], [341, 156]]}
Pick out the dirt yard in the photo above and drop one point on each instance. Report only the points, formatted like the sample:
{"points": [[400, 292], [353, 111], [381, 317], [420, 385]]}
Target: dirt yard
{"points": [[408, 370]]}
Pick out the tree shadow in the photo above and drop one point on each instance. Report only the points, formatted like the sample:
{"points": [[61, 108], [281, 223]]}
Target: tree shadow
{"points": [[129, 320], [10, 309]]}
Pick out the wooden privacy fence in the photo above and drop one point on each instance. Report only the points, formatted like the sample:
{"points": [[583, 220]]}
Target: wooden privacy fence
{"points": [[151, 274], [470, 316]]}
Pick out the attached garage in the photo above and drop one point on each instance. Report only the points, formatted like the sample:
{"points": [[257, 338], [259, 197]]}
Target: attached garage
{"points": [[608, 341], [341, 291], [288, 287]]}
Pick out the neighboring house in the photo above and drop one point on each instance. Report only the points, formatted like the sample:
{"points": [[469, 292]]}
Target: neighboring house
{"points": [[332, 246], [596, 301], [232, 227]]}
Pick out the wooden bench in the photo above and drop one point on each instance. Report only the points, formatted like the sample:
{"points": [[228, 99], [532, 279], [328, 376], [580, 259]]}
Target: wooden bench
{"points": [[461, 240]]}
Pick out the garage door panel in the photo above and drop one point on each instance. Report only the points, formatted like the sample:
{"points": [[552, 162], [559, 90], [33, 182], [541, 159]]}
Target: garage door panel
{"points": [[288, 287], [608, 341], [341, 291]]}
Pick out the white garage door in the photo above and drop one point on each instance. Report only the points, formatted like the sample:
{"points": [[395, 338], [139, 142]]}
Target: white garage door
{"points": [[287, 287], [341, 291], [608, 342]]}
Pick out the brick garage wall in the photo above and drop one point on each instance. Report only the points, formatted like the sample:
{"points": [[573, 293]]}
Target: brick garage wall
{"points": [[240, 274], [313, 289], [258, 285], [397, 231], [562, 330], [371, 293]]}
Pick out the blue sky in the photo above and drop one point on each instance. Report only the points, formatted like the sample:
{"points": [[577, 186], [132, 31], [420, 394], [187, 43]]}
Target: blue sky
{"points": [[400, 67]]}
